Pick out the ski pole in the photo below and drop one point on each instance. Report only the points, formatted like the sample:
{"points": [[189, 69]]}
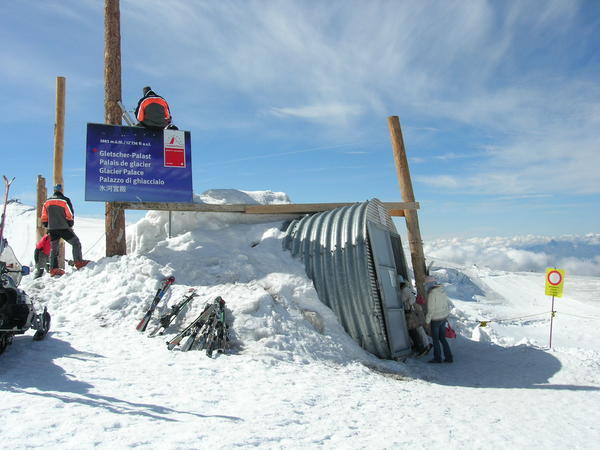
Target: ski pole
{"points": [[6, 189]]}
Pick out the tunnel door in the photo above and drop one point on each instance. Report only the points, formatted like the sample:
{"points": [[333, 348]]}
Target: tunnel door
{"points": [[393, 310]]}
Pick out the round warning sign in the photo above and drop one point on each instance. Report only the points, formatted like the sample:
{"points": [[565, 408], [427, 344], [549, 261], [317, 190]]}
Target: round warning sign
{"points": [[555, 279]]}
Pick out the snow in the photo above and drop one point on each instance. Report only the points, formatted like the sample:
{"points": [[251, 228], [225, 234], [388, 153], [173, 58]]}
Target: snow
{"points": [[293, 378]]}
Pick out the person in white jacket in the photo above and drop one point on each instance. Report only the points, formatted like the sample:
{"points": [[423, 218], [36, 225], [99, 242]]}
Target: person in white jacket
{"points": [[438, 310], [415, 319]]}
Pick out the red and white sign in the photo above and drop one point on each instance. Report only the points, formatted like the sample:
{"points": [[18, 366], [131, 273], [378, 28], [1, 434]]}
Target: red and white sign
{"points": [[174, 141], [554, 277]]}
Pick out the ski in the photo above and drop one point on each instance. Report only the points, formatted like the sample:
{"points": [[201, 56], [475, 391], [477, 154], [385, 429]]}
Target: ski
{"points": [[167, 319], [7, 184], [218, 334], [199, 336], [167, 282], [209, 331], [192, 328], [195, 333]]}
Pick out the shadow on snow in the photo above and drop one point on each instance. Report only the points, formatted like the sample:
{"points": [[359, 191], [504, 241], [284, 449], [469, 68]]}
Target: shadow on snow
{"points": [[29, 367], [482, 364]]}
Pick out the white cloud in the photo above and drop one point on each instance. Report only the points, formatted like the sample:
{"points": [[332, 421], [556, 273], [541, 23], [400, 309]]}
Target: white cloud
{"points": [[325, 112], [441, 181], [578, 255]]}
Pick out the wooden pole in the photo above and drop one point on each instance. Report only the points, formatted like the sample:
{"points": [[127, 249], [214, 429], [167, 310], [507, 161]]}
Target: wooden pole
{"points": [[412, 219], [59, 143], [41, 198], [59, 131], [115, 217]]}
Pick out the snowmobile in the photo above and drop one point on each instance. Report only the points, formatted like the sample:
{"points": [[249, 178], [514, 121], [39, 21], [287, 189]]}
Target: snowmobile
{"points": [[17, 313]]}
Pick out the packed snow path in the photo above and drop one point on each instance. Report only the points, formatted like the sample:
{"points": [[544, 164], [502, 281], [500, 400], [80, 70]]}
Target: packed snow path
{"points": [[115, 388]]}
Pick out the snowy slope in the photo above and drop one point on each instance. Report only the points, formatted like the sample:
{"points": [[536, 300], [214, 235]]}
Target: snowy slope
{"points": [[293, 378]]}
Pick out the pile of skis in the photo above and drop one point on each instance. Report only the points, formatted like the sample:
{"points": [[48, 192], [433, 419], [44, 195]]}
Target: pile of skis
{"points": [[209, 331]]}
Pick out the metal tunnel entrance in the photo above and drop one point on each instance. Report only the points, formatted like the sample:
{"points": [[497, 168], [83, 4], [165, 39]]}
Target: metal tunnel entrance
{"points": [[353, 255]]}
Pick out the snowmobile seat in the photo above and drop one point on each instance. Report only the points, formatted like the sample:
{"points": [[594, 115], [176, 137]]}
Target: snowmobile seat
{"points": [[13, 313]]}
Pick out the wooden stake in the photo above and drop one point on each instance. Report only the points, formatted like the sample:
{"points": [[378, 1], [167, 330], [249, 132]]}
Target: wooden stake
{"points": [[59, 131], [406, 189], [59, 143], [115, 217], [41, 198]]}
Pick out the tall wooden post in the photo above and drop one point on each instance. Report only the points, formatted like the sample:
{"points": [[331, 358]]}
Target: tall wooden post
{"points": [[41, 198], [412, 219], [115, 217], [59, 131], [59, 144]]}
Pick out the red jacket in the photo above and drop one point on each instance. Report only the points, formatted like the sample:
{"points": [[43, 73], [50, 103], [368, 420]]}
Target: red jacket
{"points": [[44, 244]]}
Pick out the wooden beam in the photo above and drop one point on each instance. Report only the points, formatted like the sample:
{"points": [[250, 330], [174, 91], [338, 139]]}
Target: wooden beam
{"points": [[115, 217], [396, 212], [59, 145], [412, 219], [307, 208], [41, 198], [59, 131], [292, 208]]}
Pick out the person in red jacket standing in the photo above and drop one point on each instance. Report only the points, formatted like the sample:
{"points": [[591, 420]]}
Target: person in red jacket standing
{"points": [[153, 111], [58, 218], [41, 255]]}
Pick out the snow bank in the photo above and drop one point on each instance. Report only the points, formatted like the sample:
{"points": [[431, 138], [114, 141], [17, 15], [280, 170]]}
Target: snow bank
{"points": [[274, 309], [155, 225]]}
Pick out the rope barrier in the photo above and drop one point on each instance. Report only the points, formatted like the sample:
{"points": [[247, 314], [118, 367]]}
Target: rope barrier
{"points": [[581, 317], [484, 323], [95, 243]]}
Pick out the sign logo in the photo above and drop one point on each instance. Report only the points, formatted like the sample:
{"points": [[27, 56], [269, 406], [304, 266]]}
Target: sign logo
{"points": [[555, 279]]}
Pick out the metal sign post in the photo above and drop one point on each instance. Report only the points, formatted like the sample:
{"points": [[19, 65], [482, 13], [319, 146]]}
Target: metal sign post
{"points": [[551, 320], [555, 279]]}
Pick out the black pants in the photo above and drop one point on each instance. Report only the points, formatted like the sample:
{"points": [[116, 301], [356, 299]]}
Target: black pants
{"points": [[41, 261], [71, 238]]}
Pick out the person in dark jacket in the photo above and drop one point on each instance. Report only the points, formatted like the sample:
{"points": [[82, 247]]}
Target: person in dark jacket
{"points": [[153, 111], [41, 255], [58, 217]]}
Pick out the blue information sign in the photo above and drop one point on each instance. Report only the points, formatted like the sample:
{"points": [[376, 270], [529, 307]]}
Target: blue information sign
{"points": [[135, 164]]}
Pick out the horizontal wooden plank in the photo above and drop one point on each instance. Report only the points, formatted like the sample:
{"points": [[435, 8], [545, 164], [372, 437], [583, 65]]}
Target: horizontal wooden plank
{"points": [[291, 208], [307, 208], [396, 212], [198, 207]]}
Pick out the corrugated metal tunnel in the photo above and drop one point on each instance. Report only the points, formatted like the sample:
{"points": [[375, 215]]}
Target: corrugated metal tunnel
{"points": [[353, 255]]}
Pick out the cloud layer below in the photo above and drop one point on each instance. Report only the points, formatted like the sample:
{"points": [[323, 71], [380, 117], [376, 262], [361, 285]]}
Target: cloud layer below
{"points": [[577, 255]]}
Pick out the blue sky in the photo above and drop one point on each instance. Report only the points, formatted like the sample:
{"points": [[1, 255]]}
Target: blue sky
{"points": [[499, 101]]}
